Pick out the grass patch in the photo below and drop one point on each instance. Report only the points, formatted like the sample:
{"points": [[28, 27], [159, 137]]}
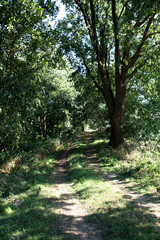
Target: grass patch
{"points": [[114, 212], [76, 166], [124, 223], [27, 206], [133, 161]]}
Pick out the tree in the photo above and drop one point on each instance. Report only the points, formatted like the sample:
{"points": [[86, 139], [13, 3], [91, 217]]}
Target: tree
{"points": [[90, 109], [55, 100], [142, 105], [23, 41], [110, 39]]}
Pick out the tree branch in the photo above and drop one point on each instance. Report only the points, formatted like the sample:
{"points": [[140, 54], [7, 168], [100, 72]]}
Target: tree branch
{"points": [[85, 15], [91, 24], [99, 88], [103, 46], [139, 24], [128, 77], [117, 42], [151, 34], [95, 82], [93, 18], [124, 5], [134, 58]]}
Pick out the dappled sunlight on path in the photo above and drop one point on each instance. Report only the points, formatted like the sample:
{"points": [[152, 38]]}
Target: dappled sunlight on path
{"points": [[70, 210]]}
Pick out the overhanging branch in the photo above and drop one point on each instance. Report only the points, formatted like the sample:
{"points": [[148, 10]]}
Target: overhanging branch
{"points": [[128, 77], [134, 58], [92, 77], [124, 5]]}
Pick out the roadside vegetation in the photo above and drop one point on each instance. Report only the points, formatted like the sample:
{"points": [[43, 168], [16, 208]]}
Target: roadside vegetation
{"points": [[27, 191]]}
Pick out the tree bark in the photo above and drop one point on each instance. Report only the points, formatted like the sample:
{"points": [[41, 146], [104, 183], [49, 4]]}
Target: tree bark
{"points": [[118, 117], [117, 128]]}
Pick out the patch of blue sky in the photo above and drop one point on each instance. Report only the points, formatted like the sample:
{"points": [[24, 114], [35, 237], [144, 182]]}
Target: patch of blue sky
{"points": [[61, 14]]}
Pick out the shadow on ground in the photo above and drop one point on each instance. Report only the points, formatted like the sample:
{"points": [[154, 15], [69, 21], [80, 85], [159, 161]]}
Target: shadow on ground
{"points": [[128, 223], [35, 220]]}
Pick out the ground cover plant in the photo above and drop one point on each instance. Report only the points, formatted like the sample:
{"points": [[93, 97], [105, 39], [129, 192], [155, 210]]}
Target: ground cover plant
{"points": [[109, 206], [26, 194]]}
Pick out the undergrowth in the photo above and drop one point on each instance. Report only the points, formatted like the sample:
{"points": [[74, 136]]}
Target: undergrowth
{"points": [[26, 204], [134, 161]]}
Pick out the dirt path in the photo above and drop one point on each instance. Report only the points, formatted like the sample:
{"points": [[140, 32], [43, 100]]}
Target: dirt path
{"points": [[129, 190], [69, 209], [71, 213]]}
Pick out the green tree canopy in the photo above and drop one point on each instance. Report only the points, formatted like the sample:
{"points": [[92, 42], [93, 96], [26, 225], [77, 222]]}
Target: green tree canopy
{"points": [[34, 98], [110, 41]]}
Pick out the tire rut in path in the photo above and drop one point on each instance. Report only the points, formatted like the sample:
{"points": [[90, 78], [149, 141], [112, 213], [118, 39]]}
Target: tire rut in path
{"points": [[69, 209]]}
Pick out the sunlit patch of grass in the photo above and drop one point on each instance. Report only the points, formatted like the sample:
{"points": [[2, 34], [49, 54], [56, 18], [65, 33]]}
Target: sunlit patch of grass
{"points": [[27, 196], [124, 222], [132, 161], [98, 195], [99, 141], [27, 217], [143, 167], [77, 165]]}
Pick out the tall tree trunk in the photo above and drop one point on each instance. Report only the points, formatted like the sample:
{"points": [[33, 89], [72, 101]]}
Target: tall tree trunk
{"points": [[117, 118], [117, 128]]}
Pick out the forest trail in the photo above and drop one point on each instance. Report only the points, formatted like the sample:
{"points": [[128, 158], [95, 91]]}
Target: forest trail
{"points": [[69, 209], [74, 198], [72, 213]]}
